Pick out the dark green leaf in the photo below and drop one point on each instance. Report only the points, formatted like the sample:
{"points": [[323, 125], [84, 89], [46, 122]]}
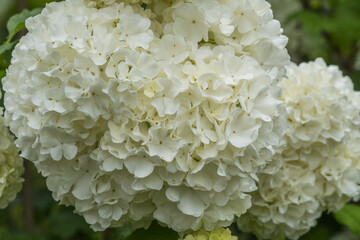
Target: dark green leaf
{"points": [[6, 234], [42, 199], [350, 217], [66, 224], [320, 232], [154, 232], [2, 74], [355, 76], [121, 233], [310, 21], [326, 228], [39, 3], [18, 19]]}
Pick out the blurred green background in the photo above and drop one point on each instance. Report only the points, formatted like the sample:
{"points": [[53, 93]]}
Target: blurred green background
{"points": [[323, 28], [316, 28]]}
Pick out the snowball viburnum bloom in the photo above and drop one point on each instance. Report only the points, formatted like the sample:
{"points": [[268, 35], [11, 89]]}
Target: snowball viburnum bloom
{"points": [[11, 166], [317, 166], [141, 110], [217, 234]]}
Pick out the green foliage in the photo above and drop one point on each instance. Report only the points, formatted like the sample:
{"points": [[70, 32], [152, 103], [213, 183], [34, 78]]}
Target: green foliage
{"points": [[65, 224], [122, 233], [154, 232], [2, 73], [324, 230], [39, 3], [6, 234], [350, 217], [16, 22], [6, 47], [328, 29]]}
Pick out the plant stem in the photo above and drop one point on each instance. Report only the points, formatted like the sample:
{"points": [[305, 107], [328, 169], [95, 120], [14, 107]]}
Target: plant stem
{"points": [[27, 198], [107, 234], [22, 5], [305, 4]]}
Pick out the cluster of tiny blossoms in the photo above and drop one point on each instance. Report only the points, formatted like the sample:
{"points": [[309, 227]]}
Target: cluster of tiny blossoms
{"points": [[317, 167], [142, 110], [217, 234], [11, 166]]}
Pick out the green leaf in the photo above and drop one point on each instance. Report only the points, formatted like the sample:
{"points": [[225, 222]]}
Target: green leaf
{"points": [[42, 199], [355, 76], [8, 234], [6, 47], [154, 232], [320, 232], [350, 217], [66, 224], [16, 22], [121, 233], [2, 74], [311, 21]]}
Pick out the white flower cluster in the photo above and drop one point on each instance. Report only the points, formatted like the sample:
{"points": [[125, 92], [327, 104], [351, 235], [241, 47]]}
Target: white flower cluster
{"points": [[317, 168], [165, 110], [11, 166], [216, 234]]}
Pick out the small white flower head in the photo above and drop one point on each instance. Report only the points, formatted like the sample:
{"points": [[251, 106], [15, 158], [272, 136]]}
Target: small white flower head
{"points": [[141, 110], [216, 234], [11, 166], [317, 167]]}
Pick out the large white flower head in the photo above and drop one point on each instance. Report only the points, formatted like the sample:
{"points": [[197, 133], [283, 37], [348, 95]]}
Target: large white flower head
{"points": [[11, 166], [317, 168], [142, 110]]}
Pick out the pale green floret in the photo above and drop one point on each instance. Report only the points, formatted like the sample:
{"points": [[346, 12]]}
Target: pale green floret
{"points": [[11, 166], [217, 234]]}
